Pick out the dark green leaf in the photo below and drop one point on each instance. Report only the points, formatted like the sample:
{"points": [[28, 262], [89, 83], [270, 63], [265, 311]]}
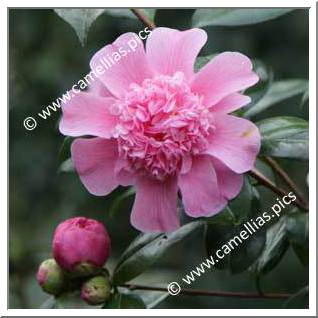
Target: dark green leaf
{"points": [[80, 20], [119, 199], [49, 303], [71, 300], [277, 92], [65, 150], [299, 300], [125, 301], [144, 255], [297, 226], [201, 61], [275, 247], [285, 137], [245, 206], [258, 91], [127, 13], [234, 17]]}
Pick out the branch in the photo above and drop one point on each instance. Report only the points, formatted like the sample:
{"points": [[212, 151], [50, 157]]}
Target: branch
{"points": [[277, 168], [269, 184], [143, 18], [197, 292]]}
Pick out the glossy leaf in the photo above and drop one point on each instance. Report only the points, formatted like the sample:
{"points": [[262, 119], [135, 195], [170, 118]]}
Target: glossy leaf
{"points": [[234, 17], [297, 226], [258, 91], [125, 301], [275, 247], [277, 92], [299, 300], [245, 206], [285, 137], [142, 256], [80, 20]]}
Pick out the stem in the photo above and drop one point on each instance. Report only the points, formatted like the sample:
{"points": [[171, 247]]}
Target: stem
{"points": [[277, 168], [143, 18], [269, 184], [197, 292]]}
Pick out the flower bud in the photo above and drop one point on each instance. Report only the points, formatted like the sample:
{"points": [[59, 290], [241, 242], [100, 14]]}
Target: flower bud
{"points": [[81, 246], [50, 277], [96, 290]]}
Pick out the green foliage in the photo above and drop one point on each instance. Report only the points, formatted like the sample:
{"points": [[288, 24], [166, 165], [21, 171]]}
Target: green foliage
{"points": [[241, 209], [297, 226], [80, 20], [277, 92], [275, 247], [234, 17], [284, 137], [299, 300], [145, 251], [125, 301]]}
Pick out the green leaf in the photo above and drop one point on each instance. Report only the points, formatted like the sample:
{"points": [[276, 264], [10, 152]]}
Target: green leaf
{"points": [[142, 255], [202, 61], [49, 303], [65, 150], [297, 226], [258, 91], [284, 137], [277, 92], [275, 247], [234, 17], [125, 301], [71, 300], [127, 13], [299, 300], [80, 20], [119, 199], [245, 206]]}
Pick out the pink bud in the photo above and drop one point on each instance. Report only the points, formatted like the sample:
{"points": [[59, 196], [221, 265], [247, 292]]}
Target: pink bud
{"points": [[80, 241]]}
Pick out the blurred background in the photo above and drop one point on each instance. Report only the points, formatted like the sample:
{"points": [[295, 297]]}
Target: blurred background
{"points": [[46, 59]]}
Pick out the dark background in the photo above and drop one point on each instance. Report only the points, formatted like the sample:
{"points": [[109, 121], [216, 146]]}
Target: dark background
{"points": [[46, 59]]}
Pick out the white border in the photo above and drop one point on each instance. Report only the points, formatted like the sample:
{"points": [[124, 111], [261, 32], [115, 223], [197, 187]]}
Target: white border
{"points": [[157, 312]]}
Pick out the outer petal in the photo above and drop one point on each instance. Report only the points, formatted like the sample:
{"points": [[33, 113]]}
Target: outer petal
{"points": [[230, 103], [170, 50], [87, 114], [99, 89], [201, 195], [124, 63], [225, 74], [230, 183], [235, 141], [95, 161], [155, 207]]}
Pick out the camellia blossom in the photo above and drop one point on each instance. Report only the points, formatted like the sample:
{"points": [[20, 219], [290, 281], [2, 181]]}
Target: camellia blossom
{"points": [[158, 125], [80, 243]]}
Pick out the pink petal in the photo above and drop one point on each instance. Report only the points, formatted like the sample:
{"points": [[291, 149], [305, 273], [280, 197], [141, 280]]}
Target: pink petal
{"points": [[124, 62], [230, 183], [98, 88], [235, 142], [124, 174], [155, 207], [87, 114], [225, 74], [230, 103], [201, 195], [95, 161], [170, 50]]}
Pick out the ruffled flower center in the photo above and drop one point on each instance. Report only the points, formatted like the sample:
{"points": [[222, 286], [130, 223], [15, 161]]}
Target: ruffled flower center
{"points": [[162, 123]]}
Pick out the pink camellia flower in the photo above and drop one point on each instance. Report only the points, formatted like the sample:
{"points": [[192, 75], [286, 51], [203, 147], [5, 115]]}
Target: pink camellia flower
{"points": [[81, 245], [162, 127]]}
